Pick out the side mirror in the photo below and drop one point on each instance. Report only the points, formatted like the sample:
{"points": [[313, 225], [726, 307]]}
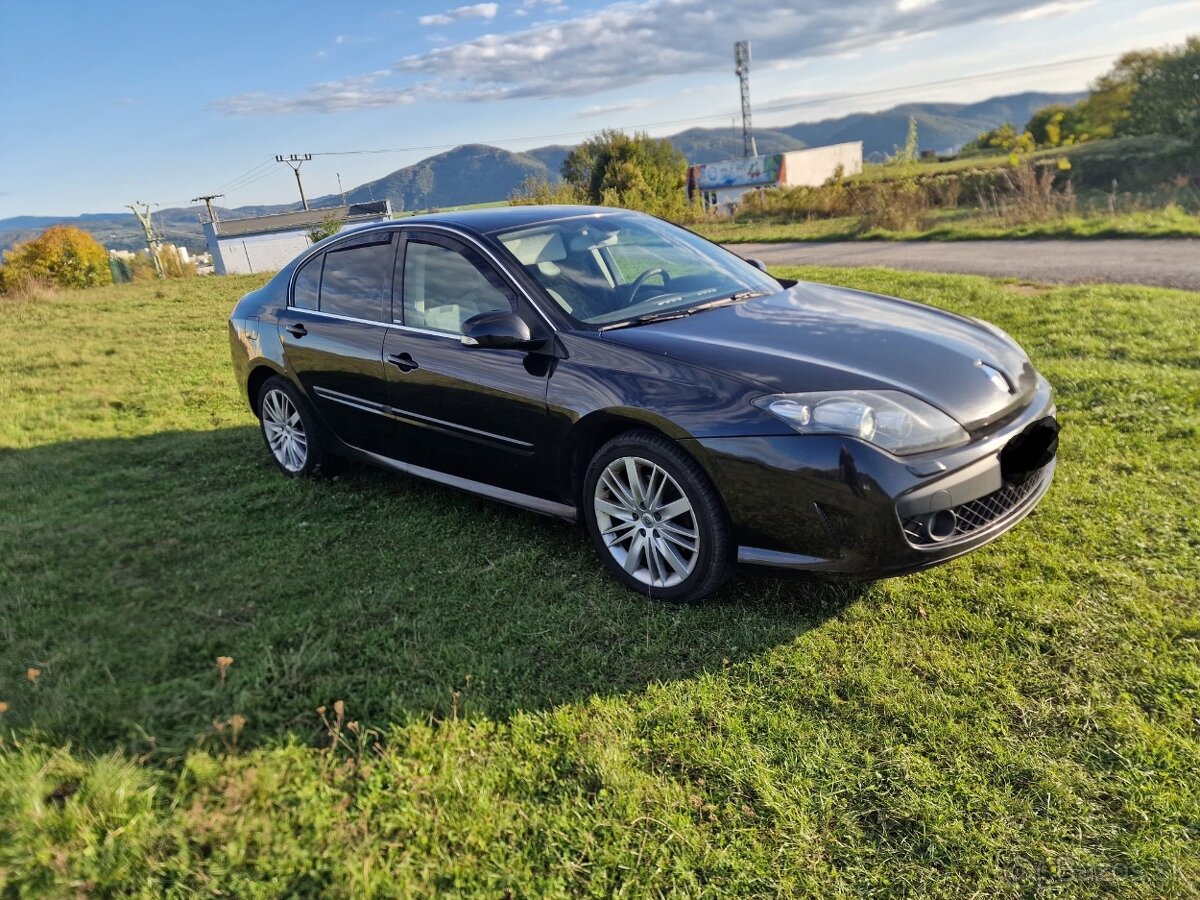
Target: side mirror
{"points": [[498, 330], [758, 264]]}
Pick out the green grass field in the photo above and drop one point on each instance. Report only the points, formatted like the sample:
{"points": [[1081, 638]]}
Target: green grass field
{"points": [[1023, 722]]}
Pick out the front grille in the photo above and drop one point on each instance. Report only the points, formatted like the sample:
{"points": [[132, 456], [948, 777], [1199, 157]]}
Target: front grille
{"points": [[974, 514]]}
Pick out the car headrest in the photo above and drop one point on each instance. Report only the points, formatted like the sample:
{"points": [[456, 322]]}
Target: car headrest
{"points": [[546, 246]]}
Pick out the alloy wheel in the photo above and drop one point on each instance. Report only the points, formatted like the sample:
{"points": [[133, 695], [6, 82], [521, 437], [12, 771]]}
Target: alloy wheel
{"points": [[284, 430], [646, 521]]}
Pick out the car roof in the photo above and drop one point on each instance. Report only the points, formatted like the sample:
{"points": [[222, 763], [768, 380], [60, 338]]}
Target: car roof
{"points": [[502, 218]]}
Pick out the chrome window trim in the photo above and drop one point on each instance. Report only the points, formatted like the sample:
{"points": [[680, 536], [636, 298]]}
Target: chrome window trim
{"points": [[380, 323], [403, 230]]}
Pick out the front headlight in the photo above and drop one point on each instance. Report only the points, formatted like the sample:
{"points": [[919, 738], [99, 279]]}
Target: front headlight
{"points": [[893, 420]]}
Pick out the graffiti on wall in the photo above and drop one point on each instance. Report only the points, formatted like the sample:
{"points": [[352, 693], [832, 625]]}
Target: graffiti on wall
{"points": [[756, 170]]}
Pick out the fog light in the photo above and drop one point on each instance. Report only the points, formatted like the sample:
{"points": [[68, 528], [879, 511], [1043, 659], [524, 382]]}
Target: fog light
{"points": [[941, 525]]}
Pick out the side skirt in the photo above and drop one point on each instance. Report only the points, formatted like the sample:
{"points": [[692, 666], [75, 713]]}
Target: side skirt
{"points": [[512, 498]]}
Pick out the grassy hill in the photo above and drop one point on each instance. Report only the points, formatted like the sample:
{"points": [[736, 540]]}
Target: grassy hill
{"points": [[1018, 723], [940, 126]]}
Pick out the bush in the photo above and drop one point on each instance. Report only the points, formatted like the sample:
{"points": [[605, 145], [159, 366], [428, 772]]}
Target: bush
{"points": [[62, 256], [635, 172], [898, 205], [329, 226], [534, 191]]}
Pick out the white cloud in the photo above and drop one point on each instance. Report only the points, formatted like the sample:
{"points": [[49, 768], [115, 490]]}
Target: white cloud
{"points": [[629, 43], [475, 11], [1047, 10], [591, 111]]}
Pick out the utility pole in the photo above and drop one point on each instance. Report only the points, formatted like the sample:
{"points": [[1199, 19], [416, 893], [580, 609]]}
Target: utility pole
{"points": [[341, 190], [212, 216], [741, 59], [296, 160], [152, 242]]}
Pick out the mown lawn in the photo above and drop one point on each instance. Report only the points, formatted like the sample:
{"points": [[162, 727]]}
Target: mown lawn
{"points": [[1022, 722]]}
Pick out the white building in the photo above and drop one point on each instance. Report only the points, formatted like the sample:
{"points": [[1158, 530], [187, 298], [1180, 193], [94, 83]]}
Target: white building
{"points": [[722, 184], [268, 243]]}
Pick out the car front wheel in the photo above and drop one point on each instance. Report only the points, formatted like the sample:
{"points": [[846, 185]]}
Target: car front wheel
{"points": [[655, 518]]}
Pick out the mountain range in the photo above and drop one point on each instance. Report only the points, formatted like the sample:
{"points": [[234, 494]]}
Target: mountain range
{"points": [[477, 173]]}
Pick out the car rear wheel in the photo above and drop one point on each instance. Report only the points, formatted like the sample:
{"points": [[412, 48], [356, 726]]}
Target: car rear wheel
{"points": [[289, 430], [655, 518]]}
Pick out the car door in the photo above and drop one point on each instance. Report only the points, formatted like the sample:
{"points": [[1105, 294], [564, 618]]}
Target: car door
{"points": [[476, 413], [333, 332]]}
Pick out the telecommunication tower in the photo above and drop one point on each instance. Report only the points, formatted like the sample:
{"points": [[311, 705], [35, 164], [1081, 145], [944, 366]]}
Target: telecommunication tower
{"points": [[741, 59]]}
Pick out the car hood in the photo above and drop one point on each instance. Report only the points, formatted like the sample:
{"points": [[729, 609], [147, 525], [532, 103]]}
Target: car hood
{"points": [[816, 337]]}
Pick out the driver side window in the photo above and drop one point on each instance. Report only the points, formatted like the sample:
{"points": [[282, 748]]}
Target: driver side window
{"points": [[443, 287]]}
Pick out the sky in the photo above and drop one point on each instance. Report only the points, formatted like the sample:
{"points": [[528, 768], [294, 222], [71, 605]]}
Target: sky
{"points": [[105, 104]]}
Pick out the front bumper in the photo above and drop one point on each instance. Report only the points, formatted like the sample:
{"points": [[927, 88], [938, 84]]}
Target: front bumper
{"points": [[824, 503]]}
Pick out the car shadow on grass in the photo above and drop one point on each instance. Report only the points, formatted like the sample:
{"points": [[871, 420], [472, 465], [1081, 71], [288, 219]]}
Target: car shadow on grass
{"points": [[133, 564]]}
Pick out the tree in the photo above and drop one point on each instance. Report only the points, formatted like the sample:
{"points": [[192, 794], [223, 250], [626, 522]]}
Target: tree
{"points": [[329, 226], [1103, 112], [912, 148], [1003, 138], [1166, 95], [1046, 125], [638, 172], [62, 255]]}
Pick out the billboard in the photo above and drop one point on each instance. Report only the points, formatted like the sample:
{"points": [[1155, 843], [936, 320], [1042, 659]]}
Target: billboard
{"points": [[737, 172]]}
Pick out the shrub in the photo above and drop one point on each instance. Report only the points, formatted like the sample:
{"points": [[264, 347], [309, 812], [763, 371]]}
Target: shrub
{"points": [[62, 256], [329, 226], [635, 172], [534, 191], [898, 205]]}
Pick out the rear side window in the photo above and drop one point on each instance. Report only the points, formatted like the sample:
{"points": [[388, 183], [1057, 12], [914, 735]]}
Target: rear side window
{"points": [[308, 283], [357, 278]]}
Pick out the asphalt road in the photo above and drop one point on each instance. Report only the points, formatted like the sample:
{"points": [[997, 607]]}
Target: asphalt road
{"points": [[1166, 263]]}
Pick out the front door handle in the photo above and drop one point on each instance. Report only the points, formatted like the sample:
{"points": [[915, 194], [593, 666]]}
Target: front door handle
{"points": [[297, 330], [402, 361]]}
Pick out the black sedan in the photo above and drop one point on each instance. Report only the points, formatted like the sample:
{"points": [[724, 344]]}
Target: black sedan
{"points": [[692, 410]]}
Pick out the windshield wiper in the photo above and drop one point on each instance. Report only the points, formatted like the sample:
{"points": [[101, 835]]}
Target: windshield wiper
{"points": [[664, 315]]}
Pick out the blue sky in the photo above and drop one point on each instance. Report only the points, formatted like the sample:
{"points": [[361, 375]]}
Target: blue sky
{"points": [[106, 103]]}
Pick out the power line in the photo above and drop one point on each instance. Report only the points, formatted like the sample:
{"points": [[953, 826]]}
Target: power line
{"points": [[982, 76], [264, 164], [246, 184]]}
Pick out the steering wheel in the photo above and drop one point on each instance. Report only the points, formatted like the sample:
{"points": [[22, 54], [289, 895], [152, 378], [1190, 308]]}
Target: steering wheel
{"points": [[643, 278]]}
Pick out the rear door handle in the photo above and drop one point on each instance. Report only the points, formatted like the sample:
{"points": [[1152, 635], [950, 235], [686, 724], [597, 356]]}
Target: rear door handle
{"points": [[297, 330], [402, 361]]}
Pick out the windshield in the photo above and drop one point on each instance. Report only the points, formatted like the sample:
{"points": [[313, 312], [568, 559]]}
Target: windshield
{"points": [[608, 270]]}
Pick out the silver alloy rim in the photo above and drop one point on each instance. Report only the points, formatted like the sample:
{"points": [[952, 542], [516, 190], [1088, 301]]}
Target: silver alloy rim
{"points": [[284, 430], [647, 522]]}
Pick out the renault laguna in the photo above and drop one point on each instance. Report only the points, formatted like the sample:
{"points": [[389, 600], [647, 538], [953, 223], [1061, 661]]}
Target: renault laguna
{"points": [[692, 410]]}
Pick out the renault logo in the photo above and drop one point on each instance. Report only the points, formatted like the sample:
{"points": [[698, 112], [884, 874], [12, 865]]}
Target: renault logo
{"points": [[995, 376]]}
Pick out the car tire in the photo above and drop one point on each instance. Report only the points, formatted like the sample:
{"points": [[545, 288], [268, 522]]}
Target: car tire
{"points": [[290, 432], [669, 536]]}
